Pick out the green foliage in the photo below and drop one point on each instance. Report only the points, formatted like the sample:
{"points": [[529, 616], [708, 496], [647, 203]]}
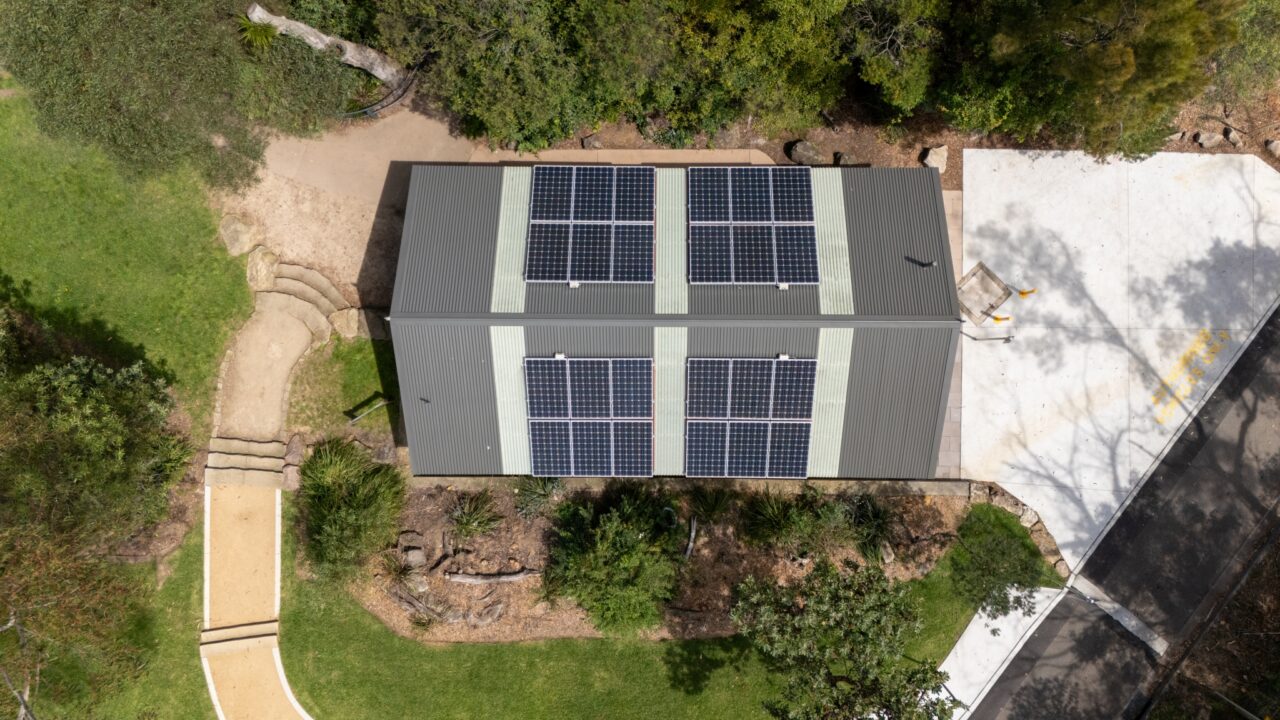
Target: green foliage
{"points": [[709, 502], [838, 638], [535, 495], [1250, 67], [995, 565], [256, 36], [813, 522], [616, 557], [350, 504], [895, 43], [348, 19], [474, 514]]}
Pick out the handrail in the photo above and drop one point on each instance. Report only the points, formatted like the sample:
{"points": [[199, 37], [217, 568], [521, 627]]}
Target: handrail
{"points": [[396, 95]]}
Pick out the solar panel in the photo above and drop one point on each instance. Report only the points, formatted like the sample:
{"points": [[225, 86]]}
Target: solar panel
{"points": [[587, 395], [797, 253], [593, 193], [792, 194], [708, 194], [758, 412], [750, 194], [550, 443], [710, 252], [548, 252], [552, 193], [751, 225], [633, 201], [704, 451], [633, 253], [753, 254], [590, 254]]}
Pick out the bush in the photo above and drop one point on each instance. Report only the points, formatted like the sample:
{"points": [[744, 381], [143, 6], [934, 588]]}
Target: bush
{"points": [[474, 515], [995, 564], [709, 502], [350, 504], [535, 495], [812, 522], [617, 557]]}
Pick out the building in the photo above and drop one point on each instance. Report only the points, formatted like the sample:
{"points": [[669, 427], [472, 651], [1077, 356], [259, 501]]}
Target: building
{"points": [[635, 321]]}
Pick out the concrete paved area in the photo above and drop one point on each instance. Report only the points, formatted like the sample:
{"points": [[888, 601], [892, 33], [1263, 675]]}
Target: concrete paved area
{"points": [[1149, 277], [246, 680]]}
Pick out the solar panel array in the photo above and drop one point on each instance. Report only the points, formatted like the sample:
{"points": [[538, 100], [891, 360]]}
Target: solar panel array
{"points": [[591, 418], [752, 225], [591, 224], [748, 417]]}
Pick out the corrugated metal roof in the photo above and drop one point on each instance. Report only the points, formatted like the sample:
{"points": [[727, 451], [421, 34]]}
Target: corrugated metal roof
{"points": [[896, 224], [580, 341], [834, 288], [599, 299], [670, 275], [831, 387], [513, 229], [448, 243], [507, 344], [749, 342], [670, 351], [759, 300]]}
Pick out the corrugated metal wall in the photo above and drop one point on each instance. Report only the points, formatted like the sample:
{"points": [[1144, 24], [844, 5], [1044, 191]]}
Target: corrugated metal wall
{"points": [[898, 379], [448, 399]]}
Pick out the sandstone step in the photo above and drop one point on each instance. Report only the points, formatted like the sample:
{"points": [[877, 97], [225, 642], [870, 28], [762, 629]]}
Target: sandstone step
{"points": [[303, 291], [244, 462], [237, 632], [237, 476], [316, 280], [236, 645], [304, 311], [236, 446]]}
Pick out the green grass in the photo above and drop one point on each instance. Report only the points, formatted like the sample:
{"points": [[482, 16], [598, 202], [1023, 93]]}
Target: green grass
{"points": [[945, 613], [343, 376], [136, 265]]}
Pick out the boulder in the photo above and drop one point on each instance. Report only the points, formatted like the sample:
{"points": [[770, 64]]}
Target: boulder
{"points": [[935, 157], [292, 479], [886, 552], [1028, 517], [409, 540], [803, 152], [848, 160], [1181, 134], [1233, 137], [979, 493], [1207, 139], [346, 322], [237, 235], [592, 142], [416, 581], [1007, 502], [295, 451], [261, 269], [415, 558], [1061, 568], [1272, 147]]}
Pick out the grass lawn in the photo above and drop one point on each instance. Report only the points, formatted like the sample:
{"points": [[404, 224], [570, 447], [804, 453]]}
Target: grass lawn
{"points": [[342, 377], [135, 265], [945, 612]]}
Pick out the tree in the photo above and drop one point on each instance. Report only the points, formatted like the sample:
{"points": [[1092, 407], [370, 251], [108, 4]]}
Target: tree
{"points": [[895, 43], [350, 504], [1106, 75], [995, 565], [837, 637], [1249, 68]]}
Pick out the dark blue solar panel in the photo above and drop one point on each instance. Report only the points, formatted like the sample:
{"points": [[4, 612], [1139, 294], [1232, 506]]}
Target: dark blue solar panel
{"points": [[789, 450], [751, 195], [633, 253], [748, 447], [632, 449], [707, 389], [548, 257], [704, 449], [709, 254], [753, 254], [547, 388], [589, 255], [708, 194], [592, 449], [593, 193], [550, 444], [552, 193], [751, 387], [792, 195], [633, 388], [797, 254], [633, 197], [589, 388], [793, 389]]}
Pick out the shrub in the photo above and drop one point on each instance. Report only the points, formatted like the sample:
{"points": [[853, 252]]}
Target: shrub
{"points": [[350, 504], [473, 515], [534, 495], [995, 564], [710, 502], [616, 557], [256, 36], [813, 522]]}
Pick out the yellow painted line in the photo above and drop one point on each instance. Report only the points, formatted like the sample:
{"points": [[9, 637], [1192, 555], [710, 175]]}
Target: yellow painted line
{"points": [[1188, 372]]}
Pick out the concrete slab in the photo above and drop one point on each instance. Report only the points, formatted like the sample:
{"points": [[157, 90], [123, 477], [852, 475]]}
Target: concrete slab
{"points": [[1149, 276], [255, 377]]}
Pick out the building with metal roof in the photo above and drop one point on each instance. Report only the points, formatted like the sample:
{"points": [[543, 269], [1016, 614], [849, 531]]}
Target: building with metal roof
{"points": [[502, 324]]}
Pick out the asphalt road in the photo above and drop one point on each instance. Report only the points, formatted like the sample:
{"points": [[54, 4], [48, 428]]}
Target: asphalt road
{"points": [[1172, 555]]}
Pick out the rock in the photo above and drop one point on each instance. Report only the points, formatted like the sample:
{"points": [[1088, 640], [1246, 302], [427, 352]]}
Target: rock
{"points": [[1028, 517], [296, 450], [803, 152], [1061, 568], [886, 552], [237, 235], [1233, 137], [1005, 501], [261, 270], [1207, 140], [416, 581], [1176, 136], [935, 157], [346, 322], [979, 492], [292, 478], [409, 540], [592, 142], [1273, 147], [848, 160], [415, 558], [385, 453]]}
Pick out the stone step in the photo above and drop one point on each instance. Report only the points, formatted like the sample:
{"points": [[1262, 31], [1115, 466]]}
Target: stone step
{"points": [[238, 476], [244, 462], [236, 446], [237, 632], [316, 280], [303, 291], [236, 645], [304, 311]]}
